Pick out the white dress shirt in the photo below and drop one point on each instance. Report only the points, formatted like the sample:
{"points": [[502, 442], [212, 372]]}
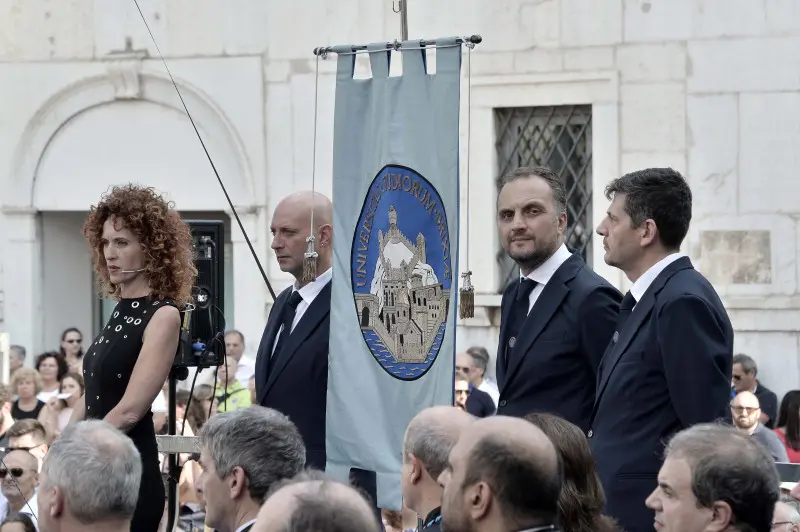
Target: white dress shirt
{"points": [[309, 293], [643, 283], [545, 272]]}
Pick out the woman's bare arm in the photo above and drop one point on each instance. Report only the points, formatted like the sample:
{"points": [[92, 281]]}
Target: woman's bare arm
{"points": [[152, 368]]}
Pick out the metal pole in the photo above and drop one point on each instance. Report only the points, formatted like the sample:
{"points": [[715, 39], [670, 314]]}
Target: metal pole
{"points": [[404, 19]]}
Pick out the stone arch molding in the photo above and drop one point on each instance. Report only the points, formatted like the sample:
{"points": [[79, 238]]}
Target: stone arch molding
{"points": [[90, 92]]}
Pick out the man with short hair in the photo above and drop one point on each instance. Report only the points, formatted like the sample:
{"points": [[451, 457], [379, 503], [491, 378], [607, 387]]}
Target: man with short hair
{"points": [[234, 348], [16, 358], [744, 378], [668, 364], [28, 435], [558, 316], [480, 363], [478, 403], [429, 438], [20, 476], [243, 453], [503, 474], [90, 480], [231, 393], [714, 478], [745, 411], [310, 501]]}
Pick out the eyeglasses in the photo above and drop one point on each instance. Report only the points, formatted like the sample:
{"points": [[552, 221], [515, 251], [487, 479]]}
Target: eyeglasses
{"points": [[16, 472], [737, 377], [740, 409], [74, 341], [463, 369]]}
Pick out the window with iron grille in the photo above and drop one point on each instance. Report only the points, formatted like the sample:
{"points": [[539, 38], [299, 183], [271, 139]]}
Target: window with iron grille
{"points": [[559, 137]]}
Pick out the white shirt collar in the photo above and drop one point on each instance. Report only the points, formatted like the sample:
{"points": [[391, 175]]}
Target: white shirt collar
{"points": [[310, 291], [643, 283], [548, 268], [245, 525]]}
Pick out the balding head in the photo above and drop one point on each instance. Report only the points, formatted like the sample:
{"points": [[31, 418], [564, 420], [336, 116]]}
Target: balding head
{"points": [[746, 411], [291, 225], [503, 470], [311, 502], [430, 436]]}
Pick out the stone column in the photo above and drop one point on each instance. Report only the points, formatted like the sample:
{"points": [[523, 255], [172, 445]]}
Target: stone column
{"points": [[22, 279]]}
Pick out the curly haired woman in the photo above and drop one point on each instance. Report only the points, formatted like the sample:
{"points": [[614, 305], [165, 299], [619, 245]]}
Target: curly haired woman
{"points": [[142, 254]]}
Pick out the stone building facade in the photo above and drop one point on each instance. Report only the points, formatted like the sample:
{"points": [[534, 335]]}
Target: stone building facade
{"points": [[709, 87]]}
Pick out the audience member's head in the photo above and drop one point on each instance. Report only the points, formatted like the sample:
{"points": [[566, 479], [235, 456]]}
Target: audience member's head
{"points": [[16, 357], [20, 474], [461, 391], [715, 477], [429, 438], [786, 517], [18, 523], [582, 499], [745, 410], [26, 383], [503, 474], [90, 475], [310, 501], [243, 453], [28, 435], [234, 344], [5, 409], [480, 359], [744, 373], [789, 418]]}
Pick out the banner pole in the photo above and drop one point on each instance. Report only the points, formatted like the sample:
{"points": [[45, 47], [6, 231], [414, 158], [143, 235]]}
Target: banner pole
{"points": [[402, 9]]}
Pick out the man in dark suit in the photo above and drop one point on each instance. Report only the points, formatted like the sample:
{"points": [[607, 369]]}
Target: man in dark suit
{"points": [[558, 317], [668, 366], [292, 369]]}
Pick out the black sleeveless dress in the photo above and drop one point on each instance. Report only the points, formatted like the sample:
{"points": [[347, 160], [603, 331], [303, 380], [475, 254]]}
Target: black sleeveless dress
{"points": [[107, 368]]}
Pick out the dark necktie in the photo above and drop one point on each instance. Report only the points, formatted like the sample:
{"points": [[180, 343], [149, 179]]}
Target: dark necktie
{"points": [[625, 309], [289, 312], [519, 312]]}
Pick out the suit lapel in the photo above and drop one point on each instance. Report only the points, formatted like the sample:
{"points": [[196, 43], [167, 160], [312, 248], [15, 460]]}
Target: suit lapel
{"points": [[267, 342], [505, 312], [640, 312], [313, 316], [547, 304]]}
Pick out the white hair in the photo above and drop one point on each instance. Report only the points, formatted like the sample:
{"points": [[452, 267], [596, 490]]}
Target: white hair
{"points": [[98, 469]]}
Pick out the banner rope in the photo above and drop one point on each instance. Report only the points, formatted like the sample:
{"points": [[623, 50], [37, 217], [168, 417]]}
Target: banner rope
{"points": [[311, 258], [466, 293]]}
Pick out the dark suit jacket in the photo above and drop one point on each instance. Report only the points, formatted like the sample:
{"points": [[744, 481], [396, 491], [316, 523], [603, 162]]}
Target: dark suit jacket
{"points": [[769, 404], [670, 368], [298, 383], [562, 342]]}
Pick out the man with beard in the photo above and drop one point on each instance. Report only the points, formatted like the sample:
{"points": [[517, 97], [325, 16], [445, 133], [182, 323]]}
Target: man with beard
{"points": [[559, 316], [746, 413]]}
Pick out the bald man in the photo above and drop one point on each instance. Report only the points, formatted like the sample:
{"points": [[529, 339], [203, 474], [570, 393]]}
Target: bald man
{"points": [[292, 362], [291, 380], [429, 438], [503, 474], [746, 413], [309, 503]]}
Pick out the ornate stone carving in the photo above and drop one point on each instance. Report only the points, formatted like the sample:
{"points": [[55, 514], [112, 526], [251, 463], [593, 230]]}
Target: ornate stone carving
{"points": [[124, 71]]}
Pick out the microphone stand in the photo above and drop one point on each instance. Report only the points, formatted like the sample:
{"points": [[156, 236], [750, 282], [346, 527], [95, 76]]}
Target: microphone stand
{"points": [[177, 373]]}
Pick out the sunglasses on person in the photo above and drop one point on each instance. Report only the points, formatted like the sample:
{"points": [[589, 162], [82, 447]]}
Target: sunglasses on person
{"points": [[73, 341], [16, 472]]}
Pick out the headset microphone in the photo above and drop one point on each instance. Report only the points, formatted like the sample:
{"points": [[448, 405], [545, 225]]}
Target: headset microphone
{"points": [[132, 271]]}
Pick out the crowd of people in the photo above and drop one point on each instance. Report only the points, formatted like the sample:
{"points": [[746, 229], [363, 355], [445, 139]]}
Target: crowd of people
{"points": [[609, 411]]}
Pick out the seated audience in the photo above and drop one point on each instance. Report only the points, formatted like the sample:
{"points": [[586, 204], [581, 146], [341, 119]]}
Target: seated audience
{"points": [[243, 453], [429, 438], [478, 403], [480, 359], [28, 435], [61, 406], [714, 477], [51, 367], [16, 358], [103, 496], [746, 411], [786, 517], [309, 501], [745, 371], [231, 393], [503, 474], [20, 476], [17, 523], [582, 499], [788, 425]]}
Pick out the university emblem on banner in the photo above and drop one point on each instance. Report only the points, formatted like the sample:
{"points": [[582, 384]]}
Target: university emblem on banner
{"points": [[401, 272]]}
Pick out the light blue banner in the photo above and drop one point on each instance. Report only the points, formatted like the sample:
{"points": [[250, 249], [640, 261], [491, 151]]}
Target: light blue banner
{"points": [[395, 268]]}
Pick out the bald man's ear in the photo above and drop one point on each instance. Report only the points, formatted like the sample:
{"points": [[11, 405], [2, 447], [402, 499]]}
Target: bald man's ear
{"points": [[414, 469], [325, 235], [479, 500]]}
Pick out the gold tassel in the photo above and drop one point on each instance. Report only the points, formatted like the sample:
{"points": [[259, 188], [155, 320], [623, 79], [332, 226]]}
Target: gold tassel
{"points": [[310, 262], [466, 297]]}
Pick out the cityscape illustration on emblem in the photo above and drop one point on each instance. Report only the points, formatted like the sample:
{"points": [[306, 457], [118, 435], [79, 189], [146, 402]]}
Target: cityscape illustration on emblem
{"points": [[401, 272]]}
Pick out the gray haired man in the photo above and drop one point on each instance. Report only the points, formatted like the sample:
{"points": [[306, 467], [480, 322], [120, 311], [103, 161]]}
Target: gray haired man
{"points": [[89, 480], [242, 454], [714, 478]]}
